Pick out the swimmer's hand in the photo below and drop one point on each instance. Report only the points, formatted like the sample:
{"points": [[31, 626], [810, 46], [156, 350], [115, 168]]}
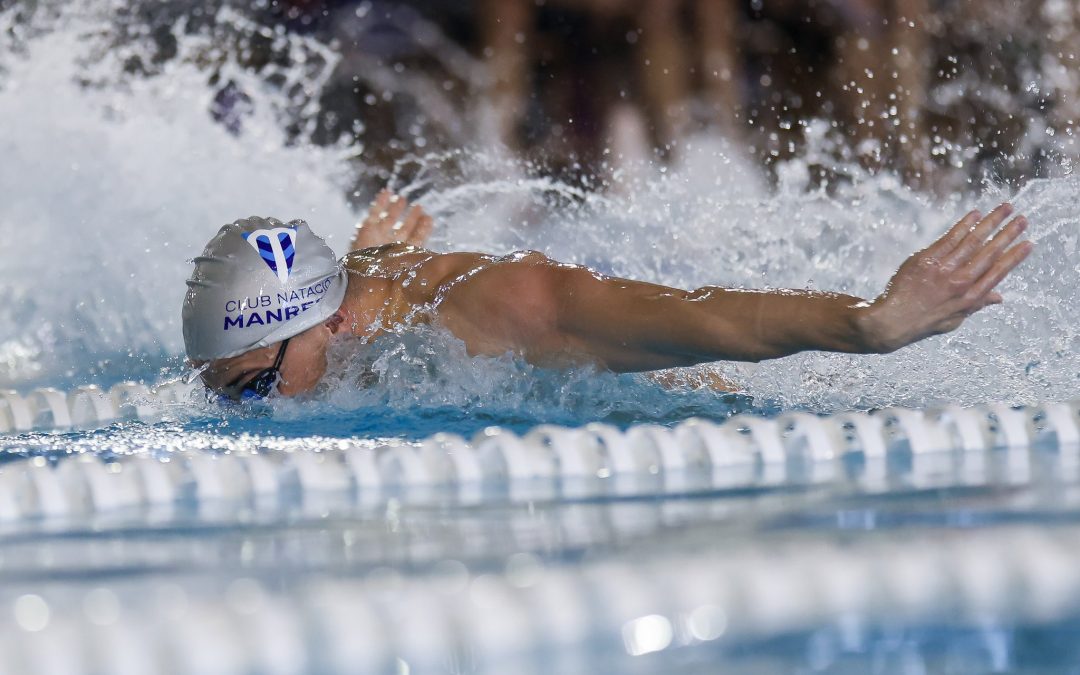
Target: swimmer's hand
{"points": [[391, 221], [936, 289]]}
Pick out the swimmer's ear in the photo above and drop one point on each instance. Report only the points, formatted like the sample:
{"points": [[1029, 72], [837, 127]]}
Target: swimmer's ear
{"points": [[336, 320]]}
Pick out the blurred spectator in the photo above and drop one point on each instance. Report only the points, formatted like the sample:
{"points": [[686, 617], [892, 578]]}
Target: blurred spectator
{"points": [[692, 64], [904, 81], [911, 85], [575, 60]]}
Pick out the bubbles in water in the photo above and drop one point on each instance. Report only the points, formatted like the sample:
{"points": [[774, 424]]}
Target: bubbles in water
{"points": [[423, 379]]}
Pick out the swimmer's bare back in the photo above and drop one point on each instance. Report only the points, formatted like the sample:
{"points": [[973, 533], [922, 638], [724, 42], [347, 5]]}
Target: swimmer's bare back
{"points": [[555, 314]]}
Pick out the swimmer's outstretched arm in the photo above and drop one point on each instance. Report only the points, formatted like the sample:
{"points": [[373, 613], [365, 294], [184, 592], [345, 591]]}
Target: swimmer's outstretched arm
{"points": [[566, 313], [633, 326]]}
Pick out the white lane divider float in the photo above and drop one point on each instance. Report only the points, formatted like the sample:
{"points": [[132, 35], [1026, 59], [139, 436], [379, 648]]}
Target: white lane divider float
{"points": [[547, 462], [47, 408], [598, 617]]}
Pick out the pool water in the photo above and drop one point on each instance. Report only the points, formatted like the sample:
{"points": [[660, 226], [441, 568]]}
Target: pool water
{"points": [[428, 512], [752, 544]]}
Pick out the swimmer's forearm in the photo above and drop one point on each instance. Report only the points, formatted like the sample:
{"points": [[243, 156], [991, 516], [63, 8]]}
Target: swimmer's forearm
{"points": [[631, 326], [932, 293], [760, 325]]}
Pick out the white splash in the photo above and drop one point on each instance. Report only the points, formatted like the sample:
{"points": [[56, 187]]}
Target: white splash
{"points": [[110, 189]]}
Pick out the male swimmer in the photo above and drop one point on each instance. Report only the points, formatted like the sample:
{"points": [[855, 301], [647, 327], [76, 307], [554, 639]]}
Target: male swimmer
{"points": [[266, 298]]}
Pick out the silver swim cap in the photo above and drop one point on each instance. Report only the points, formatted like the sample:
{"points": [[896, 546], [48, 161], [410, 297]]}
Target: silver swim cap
{"points": [[258, 282]]}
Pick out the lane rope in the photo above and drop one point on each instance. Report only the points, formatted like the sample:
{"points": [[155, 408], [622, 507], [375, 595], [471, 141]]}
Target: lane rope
{"points": [[597, 617], [547, 462]]}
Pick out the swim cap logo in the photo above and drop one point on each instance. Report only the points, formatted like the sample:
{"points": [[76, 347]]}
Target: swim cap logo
{"points": [[276, 248]]}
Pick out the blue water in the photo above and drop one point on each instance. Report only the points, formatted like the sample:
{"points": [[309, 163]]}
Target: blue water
{"points": [[299, 539]]}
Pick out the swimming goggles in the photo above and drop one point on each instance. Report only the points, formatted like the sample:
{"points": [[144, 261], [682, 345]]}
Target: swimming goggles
{"points": [[260, 386]]}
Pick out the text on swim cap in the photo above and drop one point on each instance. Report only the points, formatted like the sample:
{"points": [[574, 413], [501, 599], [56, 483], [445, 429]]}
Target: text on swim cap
{"points": [[287, 305]]}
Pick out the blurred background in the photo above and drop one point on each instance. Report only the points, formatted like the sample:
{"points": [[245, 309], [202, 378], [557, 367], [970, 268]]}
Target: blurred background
{"points": [[939, 92]]}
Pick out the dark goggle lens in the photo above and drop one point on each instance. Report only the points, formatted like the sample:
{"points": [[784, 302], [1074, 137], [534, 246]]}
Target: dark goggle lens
{"points": [[262, 385]]}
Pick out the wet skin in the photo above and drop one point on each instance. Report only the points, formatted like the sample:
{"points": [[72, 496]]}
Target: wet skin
{"points": [[560, 315]]}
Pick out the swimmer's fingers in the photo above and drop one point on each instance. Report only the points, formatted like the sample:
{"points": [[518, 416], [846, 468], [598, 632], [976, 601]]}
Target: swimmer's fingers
{"points": [[995, 248], [999, 270], [976, 237], [382, 200], [394, 211], [416, 227], [392, 220], [377, 210], [410, 222], [951, 239], [992, 298], [378, 227], [983, 303], [422, 231], [385, 211]]}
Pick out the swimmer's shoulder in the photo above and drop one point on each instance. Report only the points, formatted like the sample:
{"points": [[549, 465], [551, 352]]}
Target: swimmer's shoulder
{"points": [[447, 269], [396, 258], [426, 270], [386, 261]]}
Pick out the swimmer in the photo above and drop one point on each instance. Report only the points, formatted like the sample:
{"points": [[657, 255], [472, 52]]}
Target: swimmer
{"points": [[266, 298]]}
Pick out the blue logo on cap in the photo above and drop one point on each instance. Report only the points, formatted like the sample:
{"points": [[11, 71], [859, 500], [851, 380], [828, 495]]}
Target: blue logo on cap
{"points": [[276, 248]]}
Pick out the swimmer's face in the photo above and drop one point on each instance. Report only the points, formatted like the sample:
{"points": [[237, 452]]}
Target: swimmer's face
{"points": [[301, 369]]}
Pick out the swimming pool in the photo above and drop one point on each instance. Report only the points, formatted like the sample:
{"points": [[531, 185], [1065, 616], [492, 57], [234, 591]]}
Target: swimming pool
{"points": [[482, 515], [903, 540]]}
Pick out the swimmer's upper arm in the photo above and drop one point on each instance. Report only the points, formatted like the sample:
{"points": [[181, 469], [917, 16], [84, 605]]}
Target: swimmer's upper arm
{"points": [[627, 325], [509, 305], [558, 315]]}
